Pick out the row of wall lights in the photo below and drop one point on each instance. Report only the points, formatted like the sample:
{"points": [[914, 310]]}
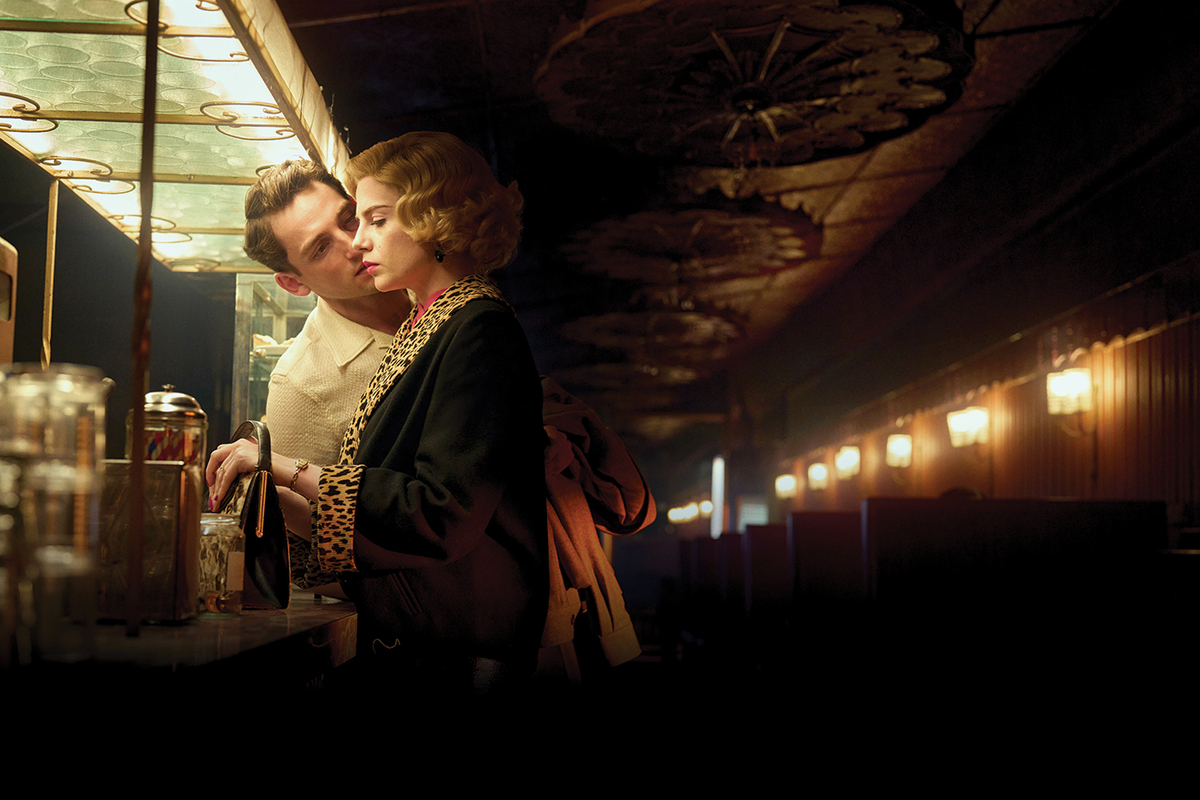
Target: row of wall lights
{"points": [[1067, 392], [690, 512], [847, 463]]}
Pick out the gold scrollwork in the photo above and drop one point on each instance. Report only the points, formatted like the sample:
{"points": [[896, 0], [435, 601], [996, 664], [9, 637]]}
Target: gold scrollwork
{"points": [[27, 105], [221, 110], [170, 237], [193, 263], [24, 106], [202, 5], [129, 13], [156, 223], [106, 186], [98, 170], [211, 110], [234, 57], [280, 133], [5, 126]]}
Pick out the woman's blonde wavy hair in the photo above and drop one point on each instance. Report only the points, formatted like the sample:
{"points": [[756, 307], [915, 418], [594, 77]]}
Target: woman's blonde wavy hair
{"points": [[448, 195]]}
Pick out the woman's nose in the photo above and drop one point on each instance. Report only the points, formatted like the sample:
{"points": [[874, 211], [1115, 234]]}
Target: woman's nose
{"points": [[360, 240]]}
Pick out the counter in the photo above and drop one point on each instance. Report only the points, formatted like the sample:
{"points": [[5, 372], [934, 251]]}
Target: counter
{"points": [[269, 652]]}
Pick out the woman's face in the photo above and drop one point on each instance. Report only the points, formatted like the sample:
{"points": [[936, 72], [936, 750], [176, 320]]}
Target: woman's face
{"points": [[390, 256]]}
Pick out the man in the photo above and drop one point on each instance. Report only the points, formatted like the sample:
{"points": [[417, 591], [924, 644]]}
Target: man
{"points": [[300, 222]]}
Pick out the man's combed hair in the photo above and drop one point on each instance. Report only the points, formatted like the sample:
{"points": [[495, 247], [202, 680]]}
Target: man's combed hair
{"points": [[273, 192], [448, 195]]}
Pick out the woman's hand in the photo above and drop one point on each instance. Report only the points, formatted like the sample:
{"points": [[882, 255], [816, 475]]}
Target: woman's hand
{"points": [[225, 464], [230, 460]]}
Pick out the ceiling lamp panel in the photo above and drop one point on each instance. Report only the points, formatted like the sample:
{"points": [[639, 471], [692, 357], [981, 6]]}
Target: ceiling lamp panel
{"points": [[215, 153], [200, 252], [234, 96], [101, 74]]}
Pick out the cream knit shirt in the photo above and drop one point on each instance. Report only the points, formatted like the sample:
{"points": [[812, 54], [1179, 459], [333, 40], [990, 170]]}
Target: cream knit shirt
{"points": [[317, 384]]}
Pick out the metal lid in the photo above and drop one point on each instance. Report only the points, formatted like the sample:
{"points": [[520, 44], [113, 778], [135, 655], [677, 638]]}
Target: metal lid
{"points": [[170, 403]]}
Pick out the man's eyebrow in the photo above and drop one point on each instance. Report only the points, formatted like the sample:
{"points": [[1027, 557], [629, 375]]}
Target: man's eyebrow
{"points": [[311, 244], [346, 209]]}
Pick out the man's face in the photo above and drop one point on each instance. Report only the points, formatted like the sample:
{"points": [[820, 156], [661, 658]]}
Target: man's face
{"points": [[317, 232]]}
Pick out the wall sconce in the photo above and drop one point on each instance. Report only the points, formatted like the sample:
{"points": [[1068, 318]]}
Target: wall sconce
{"points": [[684, 513], [899, 450], [846, 462], [1069, 391], [785, 486], [818, 476], [968, 426]]}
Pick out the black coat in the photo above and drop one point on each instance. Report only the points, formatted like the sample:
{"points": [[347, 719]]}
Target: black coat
{"points": [[450, 537]]}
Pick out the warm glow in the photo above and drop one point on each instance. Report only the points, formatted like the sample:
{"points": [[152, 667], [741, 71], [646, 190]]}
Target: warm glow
{"points": [[717, 507], [785, 486], [818, 476], [899, 450], [684, 513], [706, 508], [846, 462], [968, 426], [1069, 391]]}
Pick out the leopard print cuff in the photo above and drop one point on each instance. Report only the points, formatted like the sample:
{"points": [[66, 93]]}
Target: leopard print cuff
{"points": [[306, 571], [334, 535]]}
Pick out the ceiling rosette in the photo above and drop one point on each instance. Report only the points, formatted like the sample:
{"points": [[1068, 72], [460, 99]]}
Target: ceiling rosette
{"points": [[756, 84]]}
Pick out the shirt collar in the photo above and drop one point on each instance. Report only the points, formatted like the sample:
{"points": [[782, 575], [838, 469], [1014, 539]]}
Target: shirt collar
{"points": [[346, 339]]}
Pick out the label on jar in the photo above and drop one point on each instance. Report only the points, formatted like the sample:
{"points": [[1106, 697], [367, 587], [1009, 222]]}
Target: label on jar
{"points": [[173, 444], [237, 571]]}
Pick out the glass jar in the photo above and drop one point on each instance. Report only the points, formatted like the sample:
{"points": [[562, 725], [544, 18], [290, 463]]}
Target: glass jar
{"points": [[51, 448], [222, 565], [176, 429]]}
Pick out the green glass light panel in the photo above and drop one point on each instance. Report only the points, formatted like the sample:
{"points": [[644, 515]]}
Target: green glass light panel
{"points": [[234, 96]]}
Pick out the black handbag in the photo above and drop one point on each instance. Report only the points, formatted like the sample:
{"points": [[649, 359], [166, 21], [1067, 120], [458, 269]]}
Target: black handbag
{"points": [[254, 499]]}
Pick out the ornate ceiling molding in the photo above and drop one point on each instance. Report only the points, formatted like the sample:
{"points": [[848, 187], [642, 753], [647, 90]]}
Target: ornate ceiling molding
{"points": [[757, 84], [661, 336], [695, 245]]}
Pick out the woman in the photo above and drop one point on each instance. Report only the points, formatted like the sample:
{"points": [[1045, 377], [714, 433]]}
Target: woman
{"points": [[434, 519]]}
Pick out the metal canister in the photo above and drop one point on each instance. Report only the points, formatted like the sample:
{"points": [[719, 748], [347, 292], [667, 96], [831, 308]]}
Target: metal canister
{"points": [[176, 428]]}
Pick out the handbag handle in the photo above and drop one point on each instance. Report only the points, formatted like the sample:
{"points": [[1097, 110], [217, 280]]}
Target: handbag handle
{"points": [[253, 429]]}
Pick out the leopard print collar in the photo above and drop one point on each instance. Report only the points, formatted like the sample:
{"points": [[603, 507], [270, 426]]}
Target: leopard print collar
{"points": [[405, 346]]}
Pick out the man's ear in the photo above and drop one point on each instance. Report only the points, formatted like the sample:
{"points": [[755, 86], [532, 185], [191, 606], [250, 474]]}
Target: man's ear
{"points": [[291, 284]]}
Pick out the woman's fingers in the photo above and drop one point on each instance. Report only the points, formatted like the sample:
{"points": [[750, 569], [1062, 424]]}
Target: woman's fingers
{"points": [[225, 464]]}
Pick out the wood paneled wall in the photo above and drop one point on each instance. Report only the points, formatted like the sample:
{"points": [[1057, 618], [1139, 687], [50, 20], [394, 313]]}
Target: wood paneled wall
{"points": [[1140, 442]]}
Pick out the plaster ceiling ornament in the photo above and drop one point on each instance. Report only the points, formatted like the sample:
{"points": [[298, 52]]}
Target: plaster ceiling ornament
{"points": [[660, 336], [757, 83], [624, 375], [695, 245]]}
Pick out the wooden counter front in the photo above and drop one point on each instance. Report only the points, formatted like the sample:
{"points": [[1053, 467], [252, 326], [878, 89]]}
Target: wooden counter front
{"points": [[261, 652]]}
